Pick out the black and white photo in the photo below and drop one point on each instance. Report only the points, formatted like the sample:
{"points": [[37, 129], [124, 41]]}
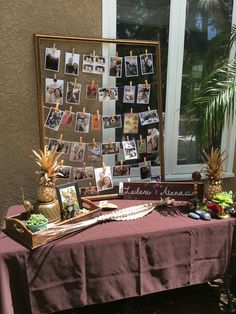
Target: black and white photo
{"points": [[131, 66], [72, 63], [148, 117], [73, 92], [82, 122], [146, 63], [52, 59], [129, 94], [83, 173], [53, 119], [130, 150], [143, 94], [122, 170], [115, 67], [58, 146], [113, 121], [77, 151], [54, 91], [105, 94], [110, 148], [65, 172], [103, 178]]}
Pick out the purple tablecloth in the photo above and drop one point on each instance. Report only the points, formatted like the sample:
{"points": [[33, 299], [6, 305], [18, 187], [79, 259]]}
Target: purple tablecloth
{"points": [[112, 261]]}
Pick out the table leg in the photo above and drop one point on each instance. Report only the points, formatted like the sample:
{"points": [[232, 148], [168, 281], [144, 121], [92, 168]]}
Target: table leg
{"points": [[228, 293]]}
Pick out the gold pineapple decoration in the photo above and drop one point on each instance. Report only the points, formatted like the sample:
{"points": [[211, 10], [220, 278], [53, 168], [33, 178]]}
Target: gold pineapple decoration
{"points": [[214, 168], [47, 175]]}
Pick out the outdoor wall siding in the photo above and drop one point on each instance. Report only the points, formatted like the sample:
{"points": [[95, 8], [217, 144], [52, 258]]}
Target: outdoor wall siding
{"points": [[19, 132]]}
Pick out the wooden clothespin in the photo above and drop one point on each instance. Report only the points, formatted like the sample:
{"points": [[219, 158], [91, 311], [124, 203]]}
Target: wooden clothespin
{"points": [[149, 109], [131, 111], [73, 52], [128, 179], [75, 81], [127, 138], [152, 134], [55, 78], [117, 56], [84, 164], [60, 138], [70, 110], [98, 115], [146, 84], [94, 143], [56, 108], [90, 184], [131, 53], [146, 51], [110, 143], [104, 167], [141, 139], [83, 113], [62, 162], [130, 85], [92, 85], [54, 48], [121, 163], [145, 161], [80, 140]]}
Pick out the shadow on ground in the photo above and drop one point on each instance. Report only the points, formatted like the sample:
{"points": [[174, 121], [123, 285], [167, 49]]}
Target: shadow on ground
{"points": [[201, 299]]}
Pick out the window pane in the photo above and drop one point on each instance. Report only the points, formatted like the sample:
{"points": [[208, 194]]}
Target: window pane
{"points": [[147, 20], [204, 21]]}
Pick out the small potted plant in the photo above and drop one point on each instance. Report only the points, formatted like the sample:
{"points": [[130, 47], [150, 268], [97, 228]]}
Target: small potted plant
{"points": [[37, 222]]}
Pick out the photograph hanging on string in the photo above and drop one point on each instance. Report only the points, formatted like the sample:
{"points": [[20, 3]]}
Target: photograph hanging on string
{"points": [[121, 170], [83, 173], [88, 63], [141, 146], [58, 146], [146, 63], [89, 191], [143, 94], [115, 67], [112, 121], [152, 140], [110, 148], [65, 172], [72, 63], [73, 92], [53, 119], [103, 178], [131, 66], [131, 121], [145, 169], [77, 151], [94, 152], [82, 122], [129, 94], [54, 91], [130, 150], [52, 59], [67, 118], [148, 117], [96, 122], [100, 65], [106, 94], [92, 91]]}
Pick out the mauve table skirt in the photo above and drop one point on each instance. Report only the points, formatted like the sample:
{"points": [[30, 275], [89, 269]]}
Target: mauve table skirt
{"points": [[114, 260]]}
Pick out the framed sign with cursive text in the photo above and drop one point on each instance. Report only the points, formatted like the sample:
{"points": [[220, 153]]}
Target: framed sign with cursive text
{"points": [[180, 191]]}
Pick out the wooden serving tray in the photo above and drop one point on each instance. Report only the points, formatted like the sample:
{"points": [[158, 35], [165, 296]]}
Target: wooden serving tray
{"points": [[18, 230]]}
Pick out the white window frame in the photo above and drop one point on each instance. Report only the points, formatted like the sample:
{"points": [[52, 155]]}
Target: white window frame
{"points": [[173, 90]]}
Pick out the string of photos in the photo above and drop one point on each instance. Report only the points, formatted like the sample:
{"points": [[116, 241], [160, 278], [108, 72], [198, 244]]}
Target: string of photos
{"points": [[60, 92]]}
